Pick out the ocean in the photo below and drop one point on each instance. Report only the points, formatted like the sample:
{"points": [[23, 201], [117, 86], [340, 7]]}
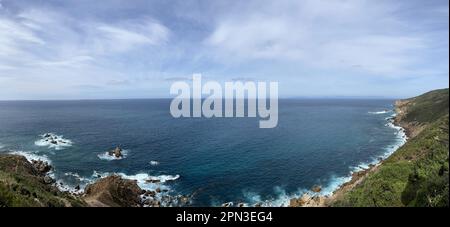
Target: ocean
{"points": [[317, 142]]}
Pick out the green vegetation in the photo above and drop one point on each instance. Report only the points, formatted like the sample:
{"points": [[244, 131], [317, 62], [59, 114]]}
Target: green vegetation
{"points": [[22, 186], [418, 173], [428, 107]]}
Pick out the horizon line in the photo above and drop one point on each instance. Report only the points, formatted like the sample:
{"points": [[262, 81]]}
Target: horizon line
{"points": [[162, 98]]}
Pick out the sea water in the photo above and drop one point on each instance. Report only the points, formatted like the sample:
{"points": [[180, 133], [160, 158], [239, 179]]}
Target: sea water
{"points": [[317, 142]]}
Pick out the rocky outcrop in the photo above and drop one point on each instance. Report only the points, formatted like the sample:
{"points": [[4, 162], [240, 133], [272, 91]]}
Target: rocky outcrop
{"points": [[412, 128], [55, 139], [41, 166], [117, 152], [113, 191], [25, 183], [308, 200]]}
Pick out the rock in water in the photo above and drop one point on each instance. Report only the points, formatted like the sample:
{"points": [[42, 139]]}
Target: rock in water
{"points": [[317, 189], [113, 191], [117, 152]]}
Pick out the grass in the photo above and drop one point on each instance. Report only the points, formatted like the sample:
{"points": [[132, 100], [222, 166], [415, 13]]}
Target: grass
{"points": [[418, 173], [21, 187]]}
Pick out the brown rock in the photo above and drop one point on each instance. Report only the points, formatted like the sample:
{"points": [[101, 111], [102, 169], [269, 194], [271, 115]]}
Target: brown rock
{"points": [[300, 202], [117, 152], [316, 189], [113, 191], [41, 166]]}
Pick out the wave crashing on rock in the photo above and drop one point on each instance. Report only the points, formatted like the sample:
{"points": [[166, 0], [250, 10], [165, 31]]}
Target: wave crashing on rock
{"points": [[53, 141]]}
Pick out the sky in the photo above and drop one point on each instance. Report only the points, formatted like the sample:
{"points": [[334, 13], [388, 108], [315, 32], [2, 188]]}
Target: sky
{"points": [[114, 49]]}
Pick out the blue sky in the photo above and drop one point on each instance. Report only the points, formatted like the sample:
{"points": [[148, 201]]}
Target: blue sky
{"points": [[135, 49]]}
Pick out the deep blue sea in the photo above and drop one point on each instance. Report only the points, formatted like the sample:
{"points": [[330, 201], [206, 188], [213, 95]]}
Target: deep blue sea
{"points": [[316, 142]]}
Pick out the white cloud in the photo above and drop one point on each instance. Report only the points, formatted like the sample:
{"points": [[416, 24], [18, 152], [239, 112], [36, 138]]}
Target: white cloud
{"points": [[44, 52], [64, 49], [48, 38], [326, 34], [127, 36], [14, 37]]}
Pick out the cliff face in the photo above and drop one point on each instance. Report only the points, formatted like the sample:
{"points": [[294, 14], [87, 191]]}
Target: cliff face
{"points": [[27, 184], [418, 173], [416, 113]]}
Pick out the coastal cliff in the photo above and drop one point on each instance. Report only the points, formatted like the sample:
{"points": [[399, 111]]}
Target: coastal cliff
{"points": [[27, 183], [417, 174]]}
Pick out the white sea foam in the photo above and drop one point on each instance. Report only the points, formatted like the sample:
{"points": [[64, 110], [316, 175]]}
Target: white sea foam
{"points": [[30, 156], [79, 178], [144, 180], [106, 156], [1, 146], [53, 141], [380, 112], [282, 198], [62, 186], [154, 163], [164, 178]]}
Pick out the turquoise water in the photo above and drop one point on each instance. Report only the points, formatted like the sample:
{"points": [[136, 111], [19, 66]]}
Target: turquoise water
{"points": [[316, 142]]}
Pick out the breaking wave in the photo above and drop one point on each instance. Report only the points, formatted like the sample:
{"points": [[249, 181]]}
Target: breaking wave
{"points": [[381, 112], [53, 141], [108, 157]]}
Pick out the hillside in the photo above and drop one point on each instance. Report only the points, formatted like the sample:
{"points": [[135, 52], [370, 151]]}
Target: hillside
{"points": [[25, 184], [418, 173]]}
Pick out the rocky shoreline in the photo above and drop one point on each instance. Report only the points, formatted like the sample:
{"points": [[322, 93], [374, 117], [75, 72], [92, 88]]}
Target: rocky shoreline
{"points": [[313, 199], [108, 191]]}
